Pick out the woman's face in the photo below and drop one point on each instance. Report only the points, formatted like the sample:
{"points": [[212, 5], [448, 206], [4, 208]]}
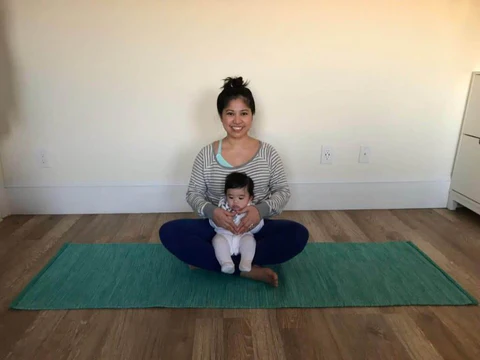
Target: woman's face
{"points": [[237, 118]]}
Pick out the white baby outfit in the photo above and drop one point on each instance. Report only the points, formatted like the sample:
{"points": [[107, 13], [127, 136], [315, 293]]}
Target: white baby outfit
{"points": [[233, 239]]}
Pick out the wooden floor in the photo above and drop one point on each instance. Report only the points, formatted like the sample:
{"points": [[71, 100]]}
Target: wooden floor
{"points": [[452, 239]]}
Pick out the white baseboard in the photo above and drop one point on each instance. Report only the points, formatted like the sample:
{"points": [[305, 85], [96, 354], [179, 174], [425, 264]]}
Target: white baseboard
{"points": [[4, 208], [370, 195], [171, 198]]}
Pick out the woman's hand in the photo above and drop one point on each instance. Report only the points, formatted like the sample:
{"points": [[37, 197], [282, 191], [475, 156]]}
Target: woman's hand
{"points": [[223, 218], [250, 220]]}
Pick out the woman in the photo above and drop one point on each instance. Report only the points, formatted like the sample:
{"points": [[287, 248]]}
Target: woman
{"points": [[279, 240]]}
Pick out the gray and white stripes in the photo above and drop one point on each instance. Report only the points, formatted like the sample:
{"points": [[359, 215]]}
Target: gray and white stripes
{"points": [[207, 181]]}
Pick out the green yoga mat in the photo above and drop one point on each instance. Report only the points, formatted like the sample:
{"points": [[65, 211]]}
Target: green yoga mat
{"points": [[324, 275]]}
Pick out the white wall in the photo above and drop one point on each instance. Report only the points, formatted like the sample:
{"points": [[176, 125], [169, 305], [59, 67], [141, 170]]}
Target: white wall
{"points": [[121, 95]]}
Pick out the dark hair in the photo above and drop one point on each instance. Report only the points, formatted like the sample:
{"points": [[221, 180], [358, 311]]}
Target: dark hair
{"points": [[235, 88], [237, 180]]}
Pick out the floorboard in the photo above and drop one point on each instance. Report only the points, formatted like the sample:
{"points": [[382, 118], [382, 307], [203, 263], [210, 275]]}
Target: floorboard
{"points": [[452, 239]]}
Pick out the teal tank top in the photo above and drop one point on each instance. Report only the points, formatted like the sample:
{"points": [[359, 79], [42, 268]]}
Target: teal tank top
{"points": [[219, 156]]}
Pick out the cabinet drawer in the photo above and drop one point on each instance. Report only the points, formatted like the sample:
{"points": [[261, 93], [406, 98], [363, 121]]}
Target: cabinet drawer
{"points": [[466, 173]]}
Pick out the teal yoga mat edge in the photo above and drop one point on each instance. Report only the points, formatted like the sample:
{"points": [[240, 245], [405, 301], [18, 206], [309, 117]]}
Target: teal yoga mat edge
{"points": [[444, 273], [133, 307], [15, 303], [32, 282]]}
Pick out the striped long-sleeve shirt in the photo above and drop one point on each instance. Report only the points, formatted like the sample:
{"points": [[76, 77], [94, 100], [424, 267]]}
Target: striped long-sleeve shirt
{"points": [[207, 181]]}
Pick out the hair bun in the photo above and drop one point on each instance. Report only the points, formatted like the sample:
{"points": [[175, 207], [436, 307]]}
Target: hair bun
{"points": [[234, 83]]}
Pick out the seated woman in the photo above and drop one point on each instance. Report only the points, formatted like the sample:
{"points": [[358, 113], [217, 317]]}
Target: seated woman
{"points": [[190, 240]]}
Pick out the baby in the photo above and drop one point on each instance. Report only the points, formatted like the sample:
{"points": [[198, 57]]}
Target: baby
{"points": [[238, 195]]}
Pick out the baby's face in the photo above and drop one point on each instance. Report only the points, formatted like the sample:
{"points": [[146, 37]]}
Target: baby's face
{"points": [[238, 199]]}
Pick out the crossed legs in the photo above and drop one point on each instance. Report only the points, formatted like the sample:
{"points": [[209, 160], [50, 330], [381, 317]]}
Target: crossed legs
{"points": [[190, 240]]}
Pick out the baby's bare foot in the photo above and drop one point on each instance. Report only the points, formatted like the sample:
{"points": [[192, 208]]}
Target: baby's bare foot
{"points": [[262, 274]]}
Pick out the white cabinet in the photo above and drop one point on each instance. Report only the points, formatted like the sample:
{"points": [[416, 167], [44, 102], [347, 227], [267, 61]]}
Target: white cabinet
{"points": [[472, 111], [466, 178], [465, 187]]}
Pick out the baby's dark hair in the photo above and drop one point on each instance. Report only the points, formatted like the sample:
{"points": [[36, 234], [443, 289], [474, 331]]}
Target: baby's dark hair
{"points": [[235, 88], [238, 180]]}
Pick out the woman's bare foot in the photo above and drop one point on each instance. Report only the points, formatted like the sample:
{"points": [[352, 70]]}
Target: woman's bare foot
{"points": [[193, 267], [262, 274]]}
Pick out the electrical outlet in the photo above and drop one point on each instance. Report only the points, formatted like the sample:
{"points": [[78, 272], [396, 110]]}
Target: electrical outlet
{"points": [[364, 155], [43, 159], [327, 155]]}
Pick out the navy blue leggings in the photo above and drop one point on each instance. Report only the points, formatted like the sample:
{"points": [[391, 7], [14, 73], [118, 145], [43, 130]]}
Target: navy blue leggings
{"points": [[190, 240]]}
